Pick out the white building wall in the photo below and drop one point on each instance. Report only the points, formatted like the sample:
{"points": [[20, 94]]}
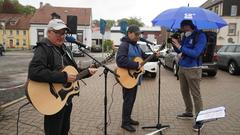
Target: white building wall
{"points": [[115, 37], [87, 34], [33, 33], [223, 37]]}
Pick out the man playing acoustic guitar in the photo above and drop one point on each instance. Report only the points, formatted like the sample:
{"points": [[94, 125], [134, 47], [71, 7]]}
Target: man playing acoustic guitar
{"points": [[128, 50], [50, 57]]}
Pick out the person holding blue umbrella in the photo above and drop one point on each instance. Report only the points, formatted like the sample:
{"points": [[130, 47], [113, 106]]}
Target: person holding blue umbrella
{"points": [[190, 49]]}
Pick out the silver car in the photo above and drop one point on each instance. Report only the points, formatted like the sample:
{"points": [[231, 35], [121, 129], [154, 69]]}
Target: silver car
{"points": [[229, 58]]}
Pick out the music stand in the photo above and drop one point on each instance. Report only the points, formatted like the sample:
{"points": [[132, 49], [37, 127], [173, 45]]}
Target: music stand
{"points": [[210, 115], [105, 71], [158, 125]]}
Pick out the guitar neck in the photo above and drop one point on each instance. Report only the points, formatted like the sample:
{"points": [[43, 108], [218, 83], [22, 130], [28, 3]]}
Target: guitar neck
{"points": [[95, 65], [148, 59]]}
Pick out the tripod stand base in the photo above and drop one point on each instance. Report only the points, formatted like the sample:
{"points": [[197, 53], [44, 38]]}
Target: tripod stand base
{"points": [[158, 126]]}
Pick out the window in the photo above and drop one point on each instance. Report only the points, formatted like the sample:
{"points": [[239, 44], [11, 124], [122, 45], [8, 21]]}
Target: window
{"points": [[80, 35], [40, 34], [232, 29], [24, 42], [24, 32], [17, 32], [11, 32], [217, 9], [234, 10], [231, 48], [17, 42], [238, 48]]}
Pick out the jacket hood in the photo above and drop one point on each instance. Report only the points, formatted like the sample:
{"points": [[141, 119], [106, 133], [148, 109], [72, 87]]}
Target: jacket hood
{"points": [[126, 39]]}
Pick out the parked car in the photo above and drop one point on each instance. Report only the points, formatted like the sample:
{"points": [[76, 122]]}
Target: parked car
{"points": [[171, 60], [229, 58], [151, 67], [209, 57], [2, 50], [76, 52]]}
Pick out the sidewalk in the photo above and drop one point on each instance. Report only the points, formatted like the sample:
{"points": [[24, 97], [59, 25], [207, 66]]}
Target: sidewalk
{"points": [[88, 110]]}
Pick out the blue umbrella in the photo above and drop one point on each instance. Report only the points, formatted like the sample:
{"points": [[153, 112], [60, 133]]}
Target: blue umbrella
{"points": [[202, 18]]}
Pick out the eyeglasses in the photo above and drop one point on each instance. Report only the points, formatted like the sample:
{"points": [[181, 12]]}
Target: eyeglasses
{"points": [[59, 32]]}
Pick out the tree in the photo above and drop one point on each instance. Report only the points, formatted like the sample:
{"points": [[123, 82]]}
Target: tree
{"points": [[8, 7], [110, 23], [132, 21], [13, 6]]}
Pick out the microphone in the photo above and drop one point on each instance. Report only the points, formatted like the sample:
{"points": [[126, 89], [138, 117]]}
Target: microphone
{"points": [[148, 42], [73, 40]]}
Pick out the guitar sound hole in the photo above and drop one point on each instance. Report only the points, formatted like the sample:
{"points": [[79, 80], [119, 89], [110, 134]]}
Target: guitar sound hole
{"points": [[66, 85]]}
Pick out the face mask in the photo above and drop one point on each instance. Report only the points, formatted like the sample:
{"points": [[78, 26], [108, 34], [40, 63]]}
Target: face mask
{"points": [[188, 33]]}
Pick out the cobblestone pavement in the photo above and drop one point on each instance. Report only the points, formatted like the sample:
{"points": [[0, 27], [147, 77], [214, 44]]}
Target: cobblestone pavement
{"points": [[88, 110]]}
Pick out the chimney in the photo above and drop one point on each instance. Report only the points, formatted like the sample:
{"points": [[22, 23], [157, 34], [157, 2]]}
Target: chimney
{"points": [[41, 4]]}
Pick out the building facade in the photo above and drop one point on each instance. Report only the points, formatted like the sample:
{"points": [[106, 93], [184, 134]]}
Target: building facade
{"points": [[38, 23], [14, 32], [229, 10]]}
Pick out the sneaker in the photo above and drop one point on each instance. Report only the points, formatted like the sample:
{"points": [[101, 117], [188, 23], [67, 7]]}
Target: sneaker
{"points": [[198, 126], [185, 116]]}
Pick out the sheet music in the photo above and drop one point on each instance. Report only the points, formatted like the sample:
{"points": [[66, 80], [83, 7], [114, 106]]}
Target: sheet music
{"points": [[210, 114]]}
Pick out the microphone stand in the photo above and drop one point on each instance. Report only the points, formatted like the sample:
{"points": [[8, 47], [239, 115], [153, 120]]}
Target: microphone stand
{"points": [[105, 72], [158, 125]]}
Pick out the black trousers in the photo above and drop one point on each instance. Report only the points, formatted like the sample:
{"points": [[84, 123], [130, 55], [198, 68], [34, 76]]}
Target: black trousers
{"points": [[129, 96], [59, 123]]}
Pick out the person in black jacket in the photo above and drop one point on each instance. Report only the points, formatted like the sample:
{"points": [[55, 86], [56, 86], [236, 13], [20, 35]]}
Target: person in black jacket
{"points": [[50, 57], [129, 49]]}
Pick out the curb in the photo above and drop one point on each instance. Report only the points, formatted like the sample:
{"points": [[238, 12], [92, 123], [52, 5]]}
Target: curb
{"points": [[2, 107]]}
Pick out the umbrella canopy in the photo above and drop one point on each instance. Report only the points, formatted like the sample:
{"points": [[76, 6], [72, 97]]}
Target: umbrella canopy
{"points": [[202, 18]]}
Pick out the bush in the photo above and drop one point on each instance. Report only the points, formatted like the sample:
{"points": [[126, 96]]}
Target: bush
{"points": [[107, 45]]}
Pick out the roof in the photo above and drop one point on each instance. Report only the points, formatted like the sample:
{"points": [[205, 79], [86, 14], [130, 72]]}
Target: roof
{"points": [[43, 14], [210, 3], [21, 21]]}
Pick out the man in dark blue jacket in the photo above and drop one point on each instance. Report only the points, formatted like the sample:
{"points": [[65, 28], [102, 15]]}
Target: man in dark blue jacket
{"points": [[190, 72], [129, 49]]}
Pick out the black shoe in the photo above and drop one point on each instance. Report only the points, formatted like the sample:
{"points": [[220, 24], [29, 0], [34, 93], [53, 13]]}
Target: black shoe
{"points": [[198, 126], [134, 122], [129, 128], [185, 116]]}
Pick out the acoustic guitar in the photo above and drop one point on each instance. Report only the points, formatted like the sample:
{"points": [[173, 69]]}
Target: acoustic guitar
{"points": [[50, 98], [128, 78]]}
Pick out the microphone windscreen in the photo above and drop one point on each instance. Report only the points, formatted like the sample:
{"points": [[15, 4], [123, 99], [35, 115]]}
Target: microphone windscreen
{"points": [[70, 39]]}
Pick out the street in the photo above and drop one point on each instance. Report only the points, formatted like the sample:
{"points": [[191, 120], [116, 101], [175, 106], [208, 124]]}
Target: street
{"points": [[88, 110]]}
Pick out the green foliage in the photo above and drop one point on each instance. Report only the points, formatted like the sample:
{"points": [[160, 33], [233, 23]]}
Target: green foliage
{"points": [[132, 21], [107, 45], [110, 23], [13, 6]]}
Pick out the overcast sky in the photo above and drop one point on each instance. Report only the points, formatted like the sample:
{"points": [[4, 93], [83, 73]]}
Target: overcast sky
{"points": [[147, 10]]}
